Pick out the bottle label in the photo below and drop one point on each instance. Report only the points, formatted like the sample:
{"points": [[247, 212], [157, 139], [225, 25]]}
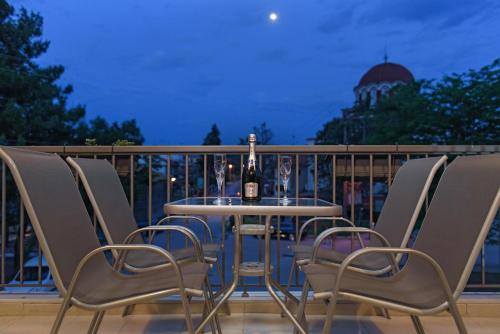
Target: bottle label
{"points": [[251, 189]]}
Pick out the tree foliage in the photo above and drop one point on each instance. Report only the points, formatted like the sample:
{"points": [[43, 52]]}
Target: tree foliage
{"points": [[105, 133], [33, 107], [458, 109], [213, 137], [262, 132], [403, 117]]}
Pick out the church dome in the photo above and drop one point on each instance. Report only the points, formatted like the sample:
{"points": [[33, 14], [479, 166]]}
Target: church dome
{"points": [[386, 72]]}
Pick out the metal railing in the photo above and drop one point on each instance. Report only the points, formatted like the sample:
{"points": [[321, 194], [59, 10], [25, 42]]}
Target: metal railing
{"points": [[356, 177]]}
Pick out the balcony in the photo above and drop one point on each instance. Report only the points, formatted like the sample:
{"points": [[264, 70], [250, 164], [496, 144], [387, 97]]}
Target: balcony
{"points": [[153, 176], [242, 323]]}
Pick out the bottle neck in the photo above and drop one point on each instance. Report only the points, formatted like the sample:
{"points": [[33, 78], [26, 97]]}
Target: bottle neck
{"points": [[251, 155]]}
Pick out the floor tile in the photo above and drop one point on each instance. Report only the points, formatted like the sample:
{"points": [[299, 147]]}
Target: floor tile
{"points": [[244, 324], [5, 322], [152, 324]]}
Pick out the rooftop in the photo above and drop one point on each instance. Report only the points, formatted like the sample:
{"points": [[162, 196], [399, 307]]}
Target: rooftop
{"points": [[386, 72]]}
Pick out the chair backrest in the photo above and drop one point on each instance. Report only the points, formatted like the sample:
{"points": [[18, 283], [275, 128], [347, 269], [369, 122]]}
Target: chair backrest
{"points": [[405, 199], [460, 215], [105, 191], [56, 210]]}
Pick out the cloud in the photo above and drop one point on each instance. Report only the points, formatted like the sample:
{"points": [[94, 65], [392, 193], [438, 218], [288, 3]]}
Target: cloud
{"points": [[281, 55], [243, 17], [276, 55], [338, 20], [160, 59], [204, 84], [443, 13]]}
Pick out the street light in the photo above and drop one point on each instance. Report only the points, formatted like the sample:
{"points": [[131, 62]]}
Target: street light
{"points": [[230, 167]]}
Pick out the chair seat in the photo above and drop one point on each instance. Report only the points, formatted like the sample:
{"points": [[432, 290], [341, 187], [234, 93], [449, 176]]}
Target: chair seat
{"points": [[103, 286], [415, 289], [141, 259], [375, 261], [210, 252]]}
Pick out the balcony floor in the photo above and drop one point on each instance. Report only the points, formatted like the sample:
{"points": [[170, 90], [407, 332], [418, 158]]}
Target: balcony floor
{"points": [[244, 323]]}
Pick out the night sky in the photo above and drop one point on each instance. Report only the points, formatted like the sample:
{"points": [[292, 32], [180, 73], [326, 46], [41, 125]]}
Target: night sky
{"points": [[178, 66]]}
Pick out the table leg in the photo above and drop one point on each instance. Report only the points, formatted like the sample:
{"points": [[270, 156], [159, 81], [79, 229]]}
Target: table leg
{"points": [[269, 281], [234, 283]]}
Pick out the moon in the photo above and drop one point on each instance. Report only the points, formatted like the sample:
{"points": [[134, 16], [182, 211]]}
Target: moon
{"points": [[273, 16]]}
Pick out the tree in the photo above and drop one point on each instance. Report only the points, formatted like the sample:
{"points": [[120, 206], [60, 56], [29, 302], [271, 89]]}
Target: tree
{"points": [[332, 133], [403, 117], [33, 108], [458, 109], [345, 130], [263, 133], [103, 133], [213, 137], [467, 106]]}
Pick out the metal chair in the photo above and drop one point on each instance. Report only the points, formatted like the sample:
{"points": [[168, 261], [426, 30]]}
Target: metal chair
{"points": [[395, 223], [116, 218], [110, 204], [438, 266], [81, 271]]}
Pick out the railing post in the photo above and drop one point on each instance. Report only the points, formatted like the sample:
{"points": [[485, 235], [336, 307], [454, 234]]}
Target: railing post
{"points": [[372, 223], [355, 157], [4, 221]]}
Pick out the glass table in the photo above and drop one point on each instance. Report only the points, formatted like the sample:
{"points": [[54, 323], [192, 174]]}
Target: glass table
{"points": [[267, 207]]}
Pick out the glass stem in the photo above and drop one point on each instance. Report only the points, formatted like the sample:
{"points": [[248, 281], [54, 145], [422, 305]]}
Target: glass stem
{"points": [[219, 188], [285, 188]]}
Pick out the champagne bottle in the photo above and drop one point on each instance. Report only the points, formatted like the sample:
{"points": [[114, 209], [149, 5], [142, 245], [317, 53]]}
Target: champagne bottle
{"points": [[250, 178]]}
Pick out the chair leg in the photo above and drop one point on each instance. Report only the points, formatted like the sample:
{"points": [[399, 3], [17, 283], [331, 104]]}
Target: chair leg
{"points": [[60, 315], [212, 306], [96, 322], [382, 311], [206, 309], [187, 312], [289, 284], [459, 322], [221, 278], [209, 299], [301, 310], [330, 311], [417, 324], [92, 323], [127, 310]]}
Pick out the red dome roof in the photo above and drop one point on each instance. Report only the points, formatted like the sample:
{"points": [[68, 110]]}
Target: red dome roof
{"points": [[388, 72]]}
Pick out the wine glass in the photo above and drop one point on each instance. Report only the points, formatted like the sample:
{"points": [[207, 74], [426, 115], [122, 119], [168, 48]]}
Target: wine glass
{"points": [[219, 168], [285, 171]]}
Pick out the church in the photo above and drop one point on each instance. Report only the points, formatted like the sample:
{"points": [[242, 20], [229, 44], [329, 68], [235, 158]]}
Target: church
{"points": [[373, 85]]}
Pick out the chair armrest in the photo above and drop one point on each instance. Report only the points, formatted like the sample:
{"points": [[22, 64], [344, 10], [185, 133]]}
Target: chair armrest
{"points": [[312, 220], [394, 250], [208, 231], [181, 229], [119, 263], [335, 230]]}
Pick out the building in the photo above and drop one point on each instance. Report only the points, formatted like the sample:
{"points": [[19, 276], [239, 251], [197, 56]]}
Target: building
{"points": [[373, 85], [379, 80]]}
